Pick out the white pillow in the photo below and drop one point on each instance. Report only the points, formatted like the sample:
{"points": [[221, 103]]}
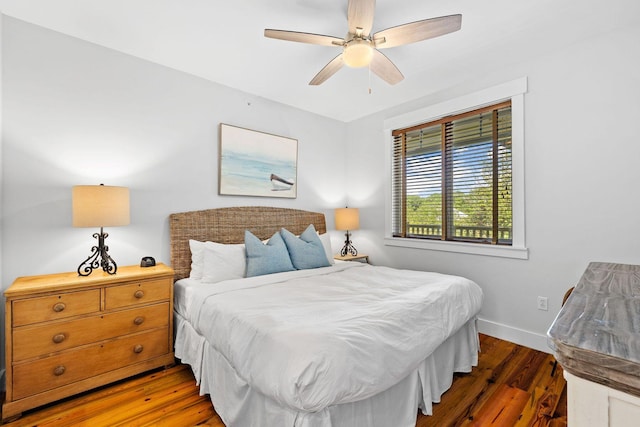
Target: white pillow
{"points": [[223, 262], [326, 243], [197, 259]]}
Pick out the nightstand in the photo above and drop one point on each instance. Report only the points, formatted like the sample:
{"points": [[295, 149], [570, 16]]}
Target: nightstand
{"points": [[359, 258], [66, 334]]}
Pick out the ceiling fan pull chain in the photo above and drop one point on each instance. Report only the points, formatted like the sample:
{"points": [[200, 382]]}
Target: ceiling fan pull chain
{"points": [[369, 78]]}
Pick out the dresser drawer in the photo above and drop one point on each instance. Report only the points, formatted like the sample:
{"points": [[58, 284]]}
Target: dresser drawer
{"points": [[33, 341], [137, 293], [52, 307], [65, 368]]}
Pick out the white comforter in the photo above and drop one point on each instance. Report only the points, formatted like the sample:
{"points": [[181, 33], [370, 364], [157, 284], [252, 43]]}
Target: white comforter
{"points": [[314, 338]]}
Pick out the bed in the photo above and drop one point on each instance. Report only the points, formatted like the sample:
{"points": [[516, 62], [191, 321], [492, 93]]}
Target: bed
{"points": [[339, 345]]}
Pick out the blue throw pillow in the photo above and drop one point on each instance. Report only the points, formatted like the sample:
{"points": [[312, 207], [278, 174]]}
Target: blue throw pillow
{"points": [[266, 259], [305, 251]]}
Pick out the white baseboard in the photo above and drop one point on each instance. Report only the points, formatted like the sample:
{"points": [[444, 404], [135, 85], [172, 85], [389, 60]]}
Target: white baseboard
{"points": [[519, 336]]}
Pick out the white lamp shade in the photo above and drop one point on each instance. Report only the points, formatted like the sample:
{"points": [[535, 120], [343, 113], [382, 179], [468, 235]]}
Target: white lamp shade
{"points": [[347, 219], [100, 206], [357, 53]]}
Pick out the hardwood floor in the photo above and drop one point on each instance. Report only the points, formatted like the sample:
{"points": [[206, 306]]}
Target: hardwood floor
{"points": [[511, 386]]}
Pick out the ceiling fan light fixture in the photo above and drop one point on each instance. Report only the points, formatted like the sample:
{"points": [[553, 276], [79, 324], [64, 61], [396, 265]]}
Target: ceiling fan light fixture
{"points": [[358, 53]]}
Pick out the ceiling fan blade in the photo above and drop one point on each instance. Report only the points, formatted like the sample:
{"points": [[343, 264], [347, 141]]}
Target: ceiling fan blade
{"points": [[295, 36], [382, 67], [329, 70], [360, 15], [417, 31]]}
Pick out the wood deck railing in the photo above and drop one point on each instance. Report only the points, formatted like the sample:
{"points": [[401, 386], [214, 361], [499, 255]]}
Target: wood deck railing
{"points": [[464, 232]]}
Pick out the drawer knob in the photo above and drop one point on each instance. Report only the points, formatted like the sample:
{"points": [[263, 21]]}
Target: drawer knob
{"points": [[58, 338], [59, 307], [138, 348], [138, 320], [59, 370], [138, 294]]}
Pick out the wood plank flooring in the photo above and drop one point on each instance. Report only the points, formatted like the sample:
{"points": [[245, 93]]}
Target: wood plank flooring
{"points": [[511, 386]]}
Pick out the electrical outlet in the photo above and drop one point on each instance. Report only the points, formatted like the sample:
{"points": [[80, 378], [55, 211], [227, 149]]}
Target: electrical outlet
{"points": [[543, 303]]}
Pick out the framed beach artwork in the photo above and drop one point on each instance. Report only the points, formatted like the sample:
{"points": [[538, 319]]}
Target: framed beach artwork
{"points": [[256, 163]]}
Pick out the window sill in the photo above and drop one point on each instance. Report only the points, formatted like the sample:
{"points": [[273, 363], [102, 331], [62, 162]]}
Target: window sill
{"points": [[459, 247]]}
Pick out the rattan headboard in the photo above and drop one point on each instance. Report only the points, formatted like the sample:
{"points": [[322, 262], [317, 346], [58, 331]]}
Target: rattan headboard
{"points": [[227, 225]]}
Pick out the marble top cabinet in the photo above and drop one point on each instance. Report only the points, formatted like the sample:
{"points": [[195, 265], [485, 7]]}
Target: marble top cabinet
{"points": [[596, 337]]}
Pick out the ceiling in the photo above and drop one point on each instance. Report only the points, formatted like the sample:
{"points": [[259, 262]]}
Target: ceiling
{"points": [[223, 41]]}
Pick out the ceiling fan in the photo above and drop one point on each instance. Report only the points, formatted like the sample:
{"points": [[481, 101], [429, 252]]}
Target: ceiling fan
{"points": [[360, 48]]}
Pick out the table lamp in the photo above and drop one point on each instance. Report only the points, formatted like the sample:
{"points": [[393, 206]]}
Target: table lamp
{"points": [[99, 206], [347, 219]]}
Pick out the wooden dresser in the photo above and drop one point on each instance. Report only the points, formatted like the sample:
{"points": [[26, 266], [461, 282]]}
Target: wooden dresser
{"points": [[66, 334]]}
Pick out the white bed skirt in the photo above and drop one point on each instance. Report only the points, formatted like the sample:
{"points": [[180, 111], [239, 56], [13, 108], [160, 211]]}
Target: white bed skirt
{"points": [[240, 406]]}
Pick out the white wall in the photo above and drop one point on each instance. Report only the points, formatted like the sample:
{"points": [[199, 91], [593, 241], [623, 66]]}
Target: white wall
{"points": [[2, 371], [77, 113], [581, 177]]}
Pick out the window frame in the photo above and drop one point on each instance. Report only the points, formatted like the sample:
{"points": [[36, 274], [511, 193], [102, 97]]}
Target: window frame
{"points": [[513, 91]]}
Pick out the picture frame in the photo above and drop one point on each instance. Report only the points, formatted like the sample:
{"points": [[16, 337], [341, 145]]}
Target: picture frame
{"points": [[253, 163]]}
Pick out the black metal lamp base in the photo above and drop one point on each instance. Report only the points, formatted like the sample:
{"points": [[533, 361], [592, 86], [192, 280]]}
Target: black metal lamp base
{"points": [[348, 248], [99, 257]]}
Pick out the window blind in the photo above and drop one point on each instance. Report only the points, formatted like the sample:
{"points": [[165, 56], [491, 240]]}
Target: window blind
{"points": [[452, 178]]}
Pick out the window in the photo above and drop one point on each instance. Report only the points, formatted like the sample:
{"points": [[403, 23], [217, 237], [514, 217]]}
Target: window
{"points": [[513, 91], [452, 178]]}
